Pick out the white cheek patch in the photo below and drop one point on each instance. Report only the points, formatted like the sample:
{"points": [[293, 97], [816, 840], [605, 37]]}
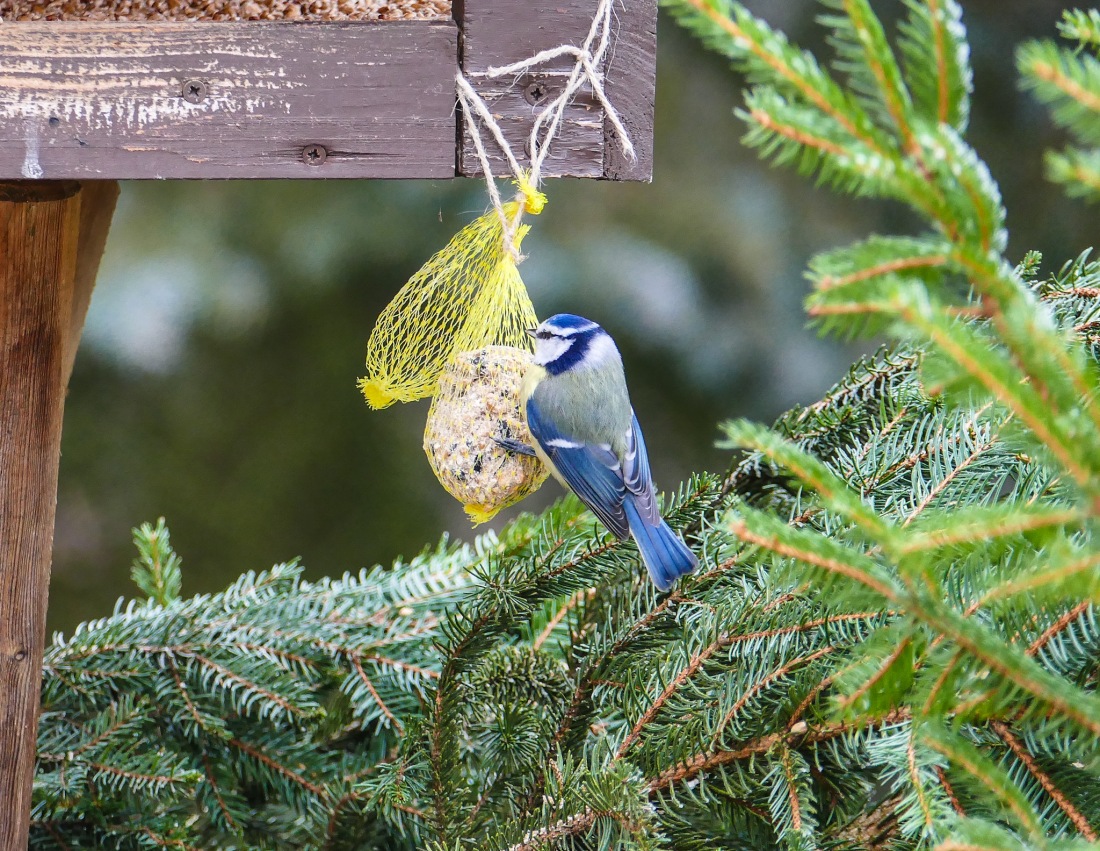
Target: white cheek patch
{"points": [[601, 350], [550, 349]]}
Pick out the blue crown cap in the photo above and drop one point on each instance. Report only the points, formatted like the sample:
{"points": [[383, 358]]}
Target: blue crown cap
{"points": [[570, 322]]}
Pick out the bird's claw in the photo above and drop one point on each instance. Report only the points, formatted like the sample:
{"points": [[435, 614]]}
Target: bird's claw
{"points": [[516, 446]]}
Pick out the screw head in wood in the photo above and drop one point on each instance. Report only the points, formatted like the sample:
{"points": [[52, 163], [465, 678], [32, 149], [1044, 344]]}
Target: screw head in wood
{"points": [[314, 154], [536, 92], [193, 91]]}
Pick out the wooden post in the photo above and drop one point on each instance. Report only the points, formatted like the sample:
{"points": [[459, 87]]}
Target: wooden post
{"points": [[51, 238]]}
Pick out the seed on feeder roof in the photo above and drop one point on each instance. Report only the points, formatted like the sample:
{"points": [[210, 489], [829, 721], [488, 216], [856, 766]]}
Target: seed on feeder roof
{"points": [[224, 10]]}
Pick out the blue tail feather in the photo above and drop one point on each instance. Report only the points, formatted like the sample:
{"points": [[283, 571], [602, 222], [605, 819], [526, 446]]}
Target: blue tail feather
{"points": [[666, 557]]}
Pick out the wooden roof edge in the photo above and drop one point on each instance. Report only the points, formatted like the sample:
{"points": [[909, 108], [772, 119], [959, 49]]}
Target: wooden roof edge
{"points": [[171, 100]]}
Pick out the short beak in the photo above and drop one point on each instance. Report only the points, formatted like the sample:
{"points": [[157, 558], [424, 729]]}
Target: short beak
{"points": [[530, 331]]}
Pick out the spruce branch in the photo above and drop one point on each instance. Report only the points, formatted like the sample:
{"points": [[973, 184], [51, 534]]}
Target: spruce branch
{"points": [[890, 641], [975, 356], [985, 524], [766, 56], [156, 570], [814, 550], [926, 164], [1068, 86], [1068, 82], [1059, 797], [1077, 170], [768, 680], [979, 768], [1072, 573], [1058, 626], [873, 71], [1081, 26], [710, 760], [834, 492], [932, 41]]}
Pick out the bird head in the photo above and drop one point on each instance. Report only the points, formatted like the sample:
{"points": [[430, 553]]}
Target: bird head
{"points": [[565, 342]]}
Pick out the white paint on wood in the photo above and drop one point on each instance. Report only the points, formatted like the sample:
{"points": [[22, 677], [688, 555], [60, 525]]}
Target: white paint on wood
{"points": [[106, 100], [111, 104], [31, 170]]}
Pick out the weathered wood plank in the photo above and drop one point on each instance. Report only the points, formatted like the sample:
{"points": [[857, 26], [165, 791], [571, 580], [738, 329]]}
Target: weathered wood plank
{"points": [[38, 250], [577, 148], [224, 10], [255, 100], [227, 100], [500, 32], [631, 86]]}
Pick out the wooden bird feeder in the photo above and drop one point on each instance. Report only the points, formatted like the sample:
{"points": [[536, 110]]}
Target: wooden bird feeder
{"points": [[95, 91]]}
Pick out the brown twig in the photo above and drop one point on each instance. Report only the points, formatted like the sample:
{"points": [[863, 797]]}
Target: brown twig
{"points": [[397, 725], [918, 785], [758, 687], [723, 641], [247, 683], [570, 826], [1056, 627], [979, 450], [155, 779], [708, 761], [950, 791], [260, 756], [792, 793], [217, 793], [548, 630], [404, 666], [1064, 803]]}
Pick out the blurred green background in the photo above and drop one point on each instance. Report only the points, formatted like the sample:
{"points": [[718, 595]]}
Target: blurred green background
{"points": [[216, 381]]}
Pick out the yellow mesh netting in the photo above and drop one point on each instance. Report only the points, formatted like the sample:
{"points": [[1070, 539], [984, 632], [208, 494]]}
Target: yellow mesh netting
{"points": [[466, 296], [456, 331]]}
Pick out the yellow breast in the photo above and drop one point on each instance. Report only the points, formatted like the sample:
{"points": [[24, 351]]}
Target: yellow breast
{"points": [[531, 379]]}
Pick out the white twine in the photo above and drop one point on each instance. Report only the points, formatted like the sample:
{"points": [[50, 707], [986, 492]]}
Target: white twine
{"points": [[547, 123]]}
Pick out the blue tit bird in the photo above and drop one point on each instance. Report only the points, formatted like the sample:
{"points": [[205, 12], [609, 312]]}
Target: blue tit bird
{"points": [[586, 433]]}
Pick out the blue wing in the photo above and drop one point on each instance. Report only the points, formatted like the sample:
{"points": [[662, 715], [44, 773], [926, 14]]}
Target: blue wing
{"points": [[592, 472], [636, 476], [666, 556]]}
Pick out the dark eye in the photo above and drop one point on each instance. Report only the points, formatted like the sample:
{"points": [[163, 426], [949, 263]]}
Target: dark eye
{"points": [[543, 335]]}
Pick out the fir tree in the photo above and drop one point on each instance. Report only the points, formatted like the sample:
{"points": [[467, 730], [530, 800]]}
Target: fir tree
{"points": [[891, 641]]}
